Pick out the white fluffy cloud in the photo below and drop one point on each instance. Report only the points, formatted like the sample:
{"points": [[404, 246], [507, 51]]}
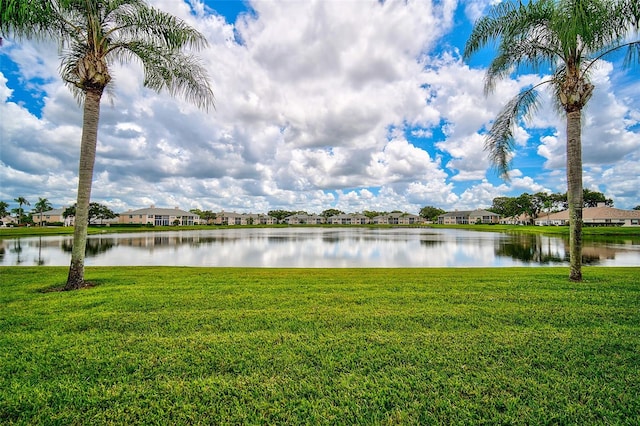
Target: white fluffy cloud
{"points": [[319, 104]]}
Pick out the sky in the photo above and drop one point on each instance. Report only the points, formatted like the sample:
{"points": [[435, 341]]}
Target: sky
{"points": [[320, 104]]}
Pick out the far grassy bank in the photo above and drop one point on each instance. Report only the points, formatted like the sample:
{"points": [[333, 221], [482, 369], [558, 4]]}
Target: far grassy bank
{"points": [[320, 346], [587, 231]]}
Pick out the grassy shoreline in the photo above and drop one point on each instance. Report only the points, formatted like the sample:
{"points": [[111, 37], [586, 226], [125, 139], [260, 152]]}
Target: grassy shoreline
{"points": [[165, 345]]}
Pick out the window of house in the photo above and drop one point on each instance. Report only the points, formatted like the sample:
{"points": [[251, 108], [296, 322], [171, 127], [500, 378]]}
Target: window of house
{"points": [[161, 220]]}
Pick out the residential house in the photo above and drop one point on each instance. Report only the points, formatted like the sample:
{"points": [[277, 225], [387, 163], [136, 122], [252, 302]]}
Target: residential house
{"points": [[484, 217], [348, 219], [57, 216], [454, 218], [159, 217], [594, 216], [261, 219], [380, 220], [405, 218], [469, 217], [53, 216], [304, 219], [397, 219], [225, 218], [239, 219], [552, 219], [8, 221], [522, 219]]}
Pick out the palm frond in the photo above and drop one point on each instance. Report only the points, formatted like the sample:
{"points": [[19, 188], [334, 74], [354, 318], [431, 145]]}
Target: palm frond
{"points": [[584, 26], [168, 69], [537, 48], [559, 77], [28, 19], [524, 38], [488, 28], [499, 141], [69, 69], [108, 31], [633, 54], [631, 10], [137, 21]]}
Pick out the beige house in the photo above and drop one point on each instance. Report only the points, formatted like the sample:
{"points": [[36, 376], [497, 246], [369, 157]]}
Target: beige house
{"points": [[523, 219], [8, 221], [304, 219], [404, 219], [348, 219], [454, 218], [468, 217], [594, 216], [484, 217], [224, 218], [261, 219], [158, 217], [53, 216], [397, 219]]}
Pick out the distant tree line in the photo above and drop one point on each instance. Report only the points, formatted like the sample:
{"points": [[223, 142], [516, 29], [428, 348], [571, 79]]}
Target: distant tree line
{"points": [[541, 202], [97, 211]]}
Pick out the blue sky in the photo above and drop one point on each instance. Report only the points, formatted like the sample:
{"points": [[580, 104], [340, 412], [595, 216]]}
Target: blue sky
{"points": [[352, 104]]}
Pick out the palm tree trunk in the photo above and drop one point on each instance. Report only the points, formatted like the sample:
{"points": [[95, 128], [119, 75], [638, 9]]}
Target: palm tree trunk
{"points": [[91, 115], [574, 193]]}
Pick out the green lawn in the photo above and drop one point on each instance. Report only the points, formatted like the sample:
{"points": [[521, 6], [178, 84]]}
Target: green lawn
{"points": [[320, 346]]}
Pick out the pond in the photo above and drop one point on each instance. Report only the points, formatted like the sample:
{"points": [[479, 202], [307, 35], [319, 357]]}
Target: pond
{"points": [[319, 248]]}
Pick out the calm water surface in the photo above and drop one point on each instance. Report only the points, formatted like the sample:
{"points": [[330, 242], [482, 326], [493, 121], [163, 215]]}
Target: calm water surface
{"points": [[318, 248]]}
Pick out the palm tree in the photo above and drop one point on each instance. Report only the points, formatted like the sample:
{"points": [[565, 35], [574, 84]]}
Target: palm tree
{"points": [[41, 206], [21, 201], [93, 34], [570, 36], [3, 209]]}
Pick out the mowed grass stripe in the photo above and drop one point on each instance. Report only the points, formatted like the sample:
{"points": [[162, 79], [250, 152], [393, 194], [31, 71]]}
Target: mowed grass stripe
{"points": [[320, 346]]}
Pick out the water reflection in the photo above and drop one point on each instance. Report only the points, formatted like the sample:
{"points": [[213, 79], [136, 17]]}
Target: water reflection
{"points": [[534, 249], [17, 250], [319, 247], [95, 246]]}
